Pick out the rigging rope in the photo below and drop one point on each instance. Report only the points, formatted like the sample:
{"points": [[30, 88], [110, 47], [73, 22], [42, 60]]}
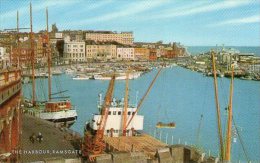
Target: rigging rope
{"points": [[241, 141]]}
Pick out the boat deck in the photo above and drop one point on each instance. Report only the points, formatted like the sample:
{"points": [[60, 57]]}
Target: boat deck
{"points": [[143, 143]]}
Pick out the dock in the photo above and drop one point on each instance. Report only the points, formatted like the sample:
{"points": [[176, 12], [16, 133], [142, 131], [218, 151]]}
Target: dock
{"points": [[57, 145]]}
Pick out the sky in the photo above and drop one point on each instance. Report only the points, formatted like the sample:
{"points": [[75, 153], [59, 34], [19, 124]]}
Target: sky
{"points": [[192, 23]]}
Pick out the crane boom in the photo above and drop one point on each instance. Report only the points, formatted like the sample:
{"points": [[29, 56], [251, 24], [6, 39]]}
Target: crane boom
{"points": [[94, 144], [229, 128], [143, 98], [125, 104]]}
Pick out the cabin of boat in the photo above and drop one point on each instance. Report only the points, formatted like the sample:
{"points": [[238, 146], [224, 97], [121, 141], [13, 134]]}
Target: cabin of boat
{"points": [[113, 126], [54, 106]]}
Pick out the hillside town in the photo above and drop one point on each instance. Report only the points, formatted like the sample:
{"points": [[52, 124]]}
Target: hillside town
{"points": [[70, 47], [80, 46]]}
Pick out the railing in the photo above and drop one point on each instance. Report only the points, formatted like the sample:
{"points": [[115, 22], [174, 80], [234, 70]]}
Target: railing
{"points": [[10, 84]]}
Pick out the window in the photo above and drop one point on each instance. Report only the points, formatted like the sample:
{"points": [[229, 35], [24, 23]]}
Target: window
{"points": [[114, 112], [129, 113], [119, 113]]}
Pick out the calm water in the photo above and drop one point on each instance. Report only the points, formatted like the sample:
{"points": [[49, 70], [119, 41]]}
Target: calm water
{"points": [[181, 96], [194, 50]]}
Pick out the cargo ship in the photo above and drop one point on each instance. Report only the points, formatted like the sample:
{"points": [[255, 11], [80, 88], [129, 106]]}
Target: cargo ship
{"points": [[115, 134]]}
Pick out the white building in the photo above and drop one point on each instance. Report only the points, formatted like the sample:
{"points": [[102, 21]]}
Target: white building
{"points": [[58, 35], [74, 51], [125, 53], [3, 53]]}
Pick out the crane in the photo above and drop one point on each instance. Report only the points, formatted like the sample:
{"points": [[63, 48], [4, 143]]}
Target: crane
{"points": [[125, 104], [229, 126], [94, 144]]}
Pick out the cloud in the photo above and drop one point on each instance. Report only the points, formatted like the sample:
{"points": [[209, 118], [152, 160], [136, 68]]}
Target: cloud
{"points": [[127, 10], [238, 21], [36, 7], [100, 4], [198, 8]]}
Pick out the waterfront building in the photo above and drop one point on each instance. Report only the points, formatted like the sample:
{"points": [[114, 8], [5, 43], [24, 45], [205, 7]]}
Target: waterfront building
{"points": [[3, 53], [100, 51], [160, 52], [74, 51], [125, 38], [125, 53], [141, 53], [152, 55]]}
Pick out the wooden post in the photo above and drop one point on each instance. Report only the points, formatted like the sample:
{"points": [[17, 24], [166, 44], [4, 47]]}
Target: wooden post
{"points": [[48, 55], [32, 58], [166, 141]]}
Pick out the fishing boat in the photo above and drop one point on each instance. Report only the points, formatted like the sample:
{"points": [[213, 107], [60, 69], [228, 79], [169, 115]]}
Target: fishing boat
{"points": [[81, 77]]}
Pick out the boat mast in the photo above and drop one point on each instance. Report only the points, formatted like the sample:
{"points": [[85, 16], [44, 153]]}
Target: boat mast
{"points": [[32, 57], [18, 44], [229, 127], [48, 55], [125, 104], [217, 107]]}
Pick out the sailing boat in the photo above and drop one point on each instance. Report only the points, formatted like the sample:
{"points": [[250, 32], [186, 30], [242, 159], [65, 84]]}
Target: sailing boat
{"points": [[58, 111], [61, 112]]}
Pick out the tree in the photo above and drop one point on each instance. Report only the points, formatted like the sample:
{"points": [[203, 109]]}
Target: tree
{"points": [[60, 47]]}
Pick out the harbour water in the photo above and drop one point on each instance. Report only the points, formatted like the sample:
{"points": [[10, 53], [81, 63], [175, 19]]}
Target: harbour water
{"points": [[181, 96]]}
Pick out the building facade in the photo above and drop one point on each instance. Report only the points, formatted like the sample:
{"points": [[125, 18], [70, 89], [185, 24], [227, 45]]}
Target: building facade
{"points": [[141, 53], [125, 53], [100, 51], [2, 53], [152, 55], [125, 38], [74, 51]]}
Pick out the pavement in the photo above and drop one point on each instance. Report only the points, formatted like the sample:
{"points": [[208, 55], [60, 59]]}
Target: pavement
{"points": [[57, 143]]}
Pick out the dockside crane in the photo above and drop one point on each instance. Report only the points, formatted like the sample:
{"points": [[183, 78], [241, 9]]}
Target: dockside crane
{"points": [[125, 103], [229, 125], [94, 144]]}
